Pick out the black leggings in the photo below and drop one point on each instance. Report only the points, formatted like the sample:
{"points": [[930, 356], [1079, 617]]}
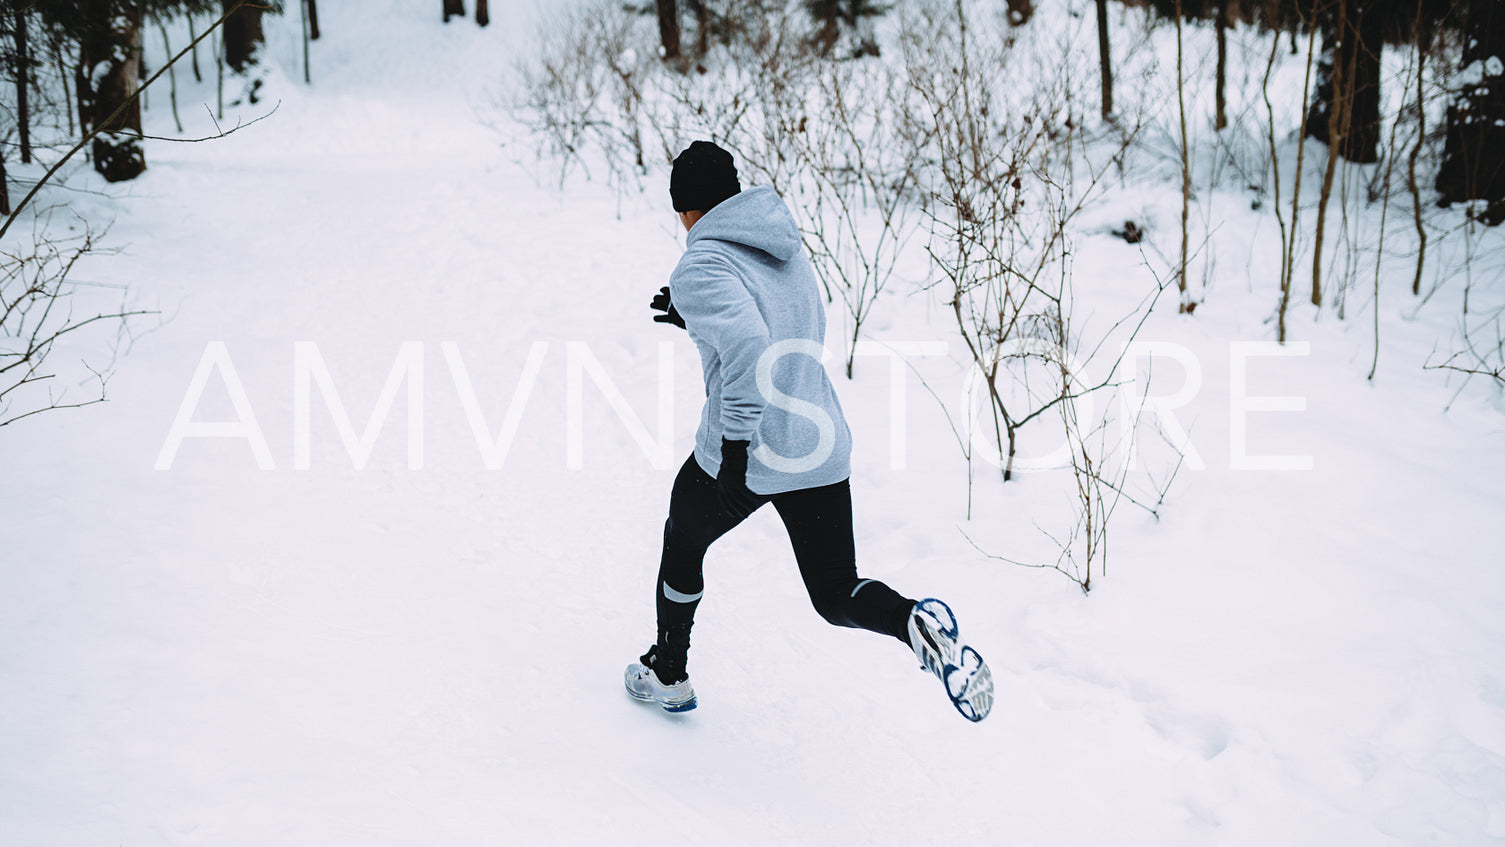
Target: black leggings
{"points": [[819, 522]]}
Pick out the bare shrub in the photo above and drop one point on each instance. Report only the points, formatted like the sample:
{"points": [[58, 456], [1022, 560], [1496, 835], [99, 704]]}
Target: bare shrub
{"points": [[41, 312]]}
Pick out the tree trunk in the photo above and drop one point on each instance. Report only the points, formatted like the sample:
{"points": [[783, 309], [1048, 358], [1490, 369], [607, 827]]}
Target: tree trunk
{"points": [[1221, 85], [1105, 58], [23, 73], [1349, 81], [483, 12], [668, 27], [313, 20], [453, 9], [115, 44], [1339, 72], [1020, 11], [241, 34], [1423, 46], [702, 27], [194, 39], [1473, 157], [1186, 304], [4, 188]]}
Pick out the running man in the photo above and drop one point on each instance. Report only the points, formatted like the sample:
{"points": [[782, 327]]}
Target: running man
{"points": [[771, 431]]}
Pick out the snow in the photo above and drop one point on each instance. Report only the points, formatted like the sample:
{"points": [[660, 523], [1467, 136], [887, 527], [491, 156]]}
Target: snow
{"points": [[218, 654]]}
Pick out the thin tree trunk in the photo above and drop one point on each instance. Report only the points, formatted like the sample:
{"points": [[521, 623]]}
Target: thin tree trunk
{"points": [[1221, 85], [1379, 256], [62, 72], [1105, 58], [313, 19], [303, 31], [172, 76], [453, 9], [483, 12], [219, 71], [1423, 44], [194, 55], [4, 187], [81, 94], [23, 69], [1290, 262], [1285, 271], [1337, 123], [668, 27], [702, 27], [1185, 307]]}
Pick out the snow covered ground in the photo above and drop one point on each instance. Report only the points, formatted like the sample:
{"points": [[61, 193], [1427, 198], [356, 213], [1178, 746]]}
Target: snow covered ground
{"points": [[223, 655]]}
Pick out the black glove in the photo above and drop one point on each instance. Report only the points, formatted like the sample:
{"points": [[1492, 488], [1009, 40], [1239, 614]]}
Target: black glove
{"points": [[662, 303], [731, 483]]}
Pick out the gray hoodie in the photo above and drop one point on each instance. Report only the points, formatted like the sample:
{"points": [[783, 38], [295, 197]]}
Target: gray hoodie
{"points": [[752, 305]]}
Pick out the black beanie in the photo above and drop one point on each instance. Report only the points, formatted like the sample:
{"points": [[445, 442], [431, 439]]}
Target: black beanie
{"points": [[703, 176]]}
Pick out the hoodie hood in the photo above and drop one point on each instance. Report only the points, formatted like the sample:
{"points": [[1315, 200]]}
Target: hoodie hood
{"points": [[757, 218]]}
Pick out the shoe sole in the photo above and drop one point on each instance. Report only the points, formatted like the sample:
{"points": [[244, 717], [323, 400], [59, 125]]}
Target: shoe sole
{"points": [[672, 708], [970, 685], [968, 681]]}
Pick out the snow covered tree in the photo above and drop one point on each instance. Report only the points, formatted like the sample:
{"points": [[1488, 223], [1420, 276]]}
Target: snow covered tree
{"points": [[107, 37], [109, 68], [1473, 162]]}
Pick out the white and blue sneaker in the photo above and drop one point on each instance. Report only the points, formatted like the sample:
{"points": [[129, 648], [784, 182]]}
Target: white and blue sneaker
{"points": [[933, 635], [643, 684]]}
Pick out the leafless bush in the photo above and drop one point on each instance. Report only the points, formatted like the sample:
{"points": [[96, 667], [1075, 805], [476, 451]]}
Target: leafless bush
{"points": [[582, 89], [863, 161], [1001, 205], [40, 311]]}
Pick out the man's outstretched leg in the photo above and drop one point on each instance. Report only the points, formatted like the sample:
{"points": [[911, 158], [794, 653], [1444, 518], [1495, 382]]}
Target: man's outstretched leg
{"points": [[695, 521], [819, 522]]}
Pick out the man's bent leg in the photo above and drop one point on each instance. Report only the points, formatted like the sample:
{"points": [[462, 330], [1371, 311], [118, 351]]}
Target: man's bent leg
{"points": [[819, 522]]}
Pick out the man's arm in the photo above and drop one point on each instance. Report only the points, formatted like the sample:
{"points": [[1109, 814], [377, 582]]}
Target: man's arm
{"points": [[718, 309]]}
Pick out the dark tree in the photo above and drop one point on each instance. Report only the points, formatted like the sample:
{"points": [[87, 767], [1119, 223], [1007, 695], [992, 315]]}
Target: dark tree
{"points": [[668, 27], [22, 63], [1345, 114], [1105, 58], [109, 43], [1220, 86], [483, 12], [242, 35], [453, 9], [1473, 159], [313, 19]]}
